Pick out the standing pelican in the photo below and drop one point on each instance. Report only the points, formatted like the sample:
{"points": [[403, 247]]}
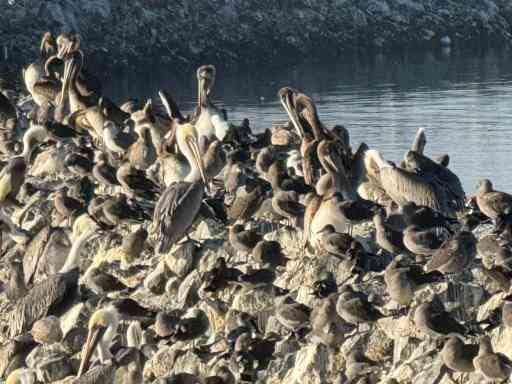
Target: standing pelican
{"points": [[45, 297], [180, 202], [210, 121]]}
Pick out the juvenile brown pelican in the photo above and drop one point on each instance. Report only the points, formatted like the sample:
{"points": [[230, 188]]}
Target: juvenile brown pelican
{"points": [[492, 365], [46, 296], [67, 206], [102, 329], [180, 202], [209, 121], [492, 203]]}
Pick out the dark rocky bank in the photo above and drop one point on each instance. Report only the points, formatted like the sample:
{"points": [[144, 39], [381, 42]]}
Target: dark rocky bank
{"points": [[185, 33]]}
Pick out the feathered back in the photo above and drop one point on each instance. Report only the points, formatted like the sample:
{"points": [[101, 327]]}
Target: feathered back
{"points": [[403, 186]]}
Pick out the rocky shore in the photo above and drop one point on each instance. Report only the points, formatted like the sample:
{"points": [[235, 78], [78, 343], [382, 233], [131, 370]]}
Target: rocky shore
{"points": [[240, 32]]}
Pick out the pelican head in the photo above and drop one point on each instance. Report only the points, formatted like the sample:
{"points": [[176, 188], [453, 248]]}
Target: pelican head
{"points": [[67, 44], [328, 157], [70, 70], [287, 98], [484, 186], [102, 327], [205, 80], [48, 44]]}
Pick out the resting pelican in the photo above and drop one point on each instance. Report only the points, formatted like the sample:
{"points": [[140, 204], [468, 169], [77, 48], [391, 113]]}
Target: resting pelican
{"points": [[209, 121], [404, 186], [180, 202], [102, 329], [45, 297]]}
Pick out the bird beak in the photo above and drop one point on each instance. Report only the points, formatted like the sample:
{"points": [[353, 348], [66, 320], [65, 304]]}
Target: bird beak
{"points": [[330, 161], [286, 101], [194, 148], [64, 50], [203, 90], [46, 37], [93, 338], [68, 70]]}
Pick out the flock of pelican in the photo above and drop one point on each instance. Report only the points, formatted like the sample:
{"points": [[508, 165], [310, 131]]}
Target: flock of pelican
{"points": [[153, 174]]}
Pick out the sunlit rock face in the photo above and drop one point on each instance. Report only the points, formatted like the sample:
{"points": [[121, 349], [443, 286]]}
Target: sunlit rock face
{"points": [[247, 31]]}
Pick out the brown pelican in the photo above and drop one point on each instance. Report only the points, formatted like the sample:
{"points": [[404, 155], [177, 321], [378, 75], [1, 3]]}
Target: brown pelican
{"points": [[209, 121], [70, 88], [179, 204], [102, 329], [446, 179], [492, 203], [46, 296], [404, 186]]}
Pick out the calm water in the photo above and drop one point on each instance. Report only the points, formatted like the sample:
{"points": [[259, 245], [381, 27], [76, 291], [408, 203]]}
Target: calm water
{"points": [[464, 102]]}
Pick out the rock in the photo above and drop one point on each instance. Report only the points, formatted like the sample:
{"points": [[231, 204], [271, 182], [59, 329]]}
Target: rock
{"points": [[182, 260], [156, 280], [51, 363], [47, 330], [310, 365]]}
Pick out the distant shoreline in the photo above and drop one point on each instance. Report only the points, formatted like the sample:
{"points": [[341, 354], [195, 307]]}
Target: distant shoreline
{"points": [[264, 34]]}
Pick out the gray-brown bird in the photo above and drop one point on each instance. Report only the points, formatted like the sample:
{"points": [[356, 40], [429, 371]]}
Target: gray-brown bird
{"points": [[492, 203], [492, 365], [457, 355], [455, 255], [388, 239], [243, 240]]}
